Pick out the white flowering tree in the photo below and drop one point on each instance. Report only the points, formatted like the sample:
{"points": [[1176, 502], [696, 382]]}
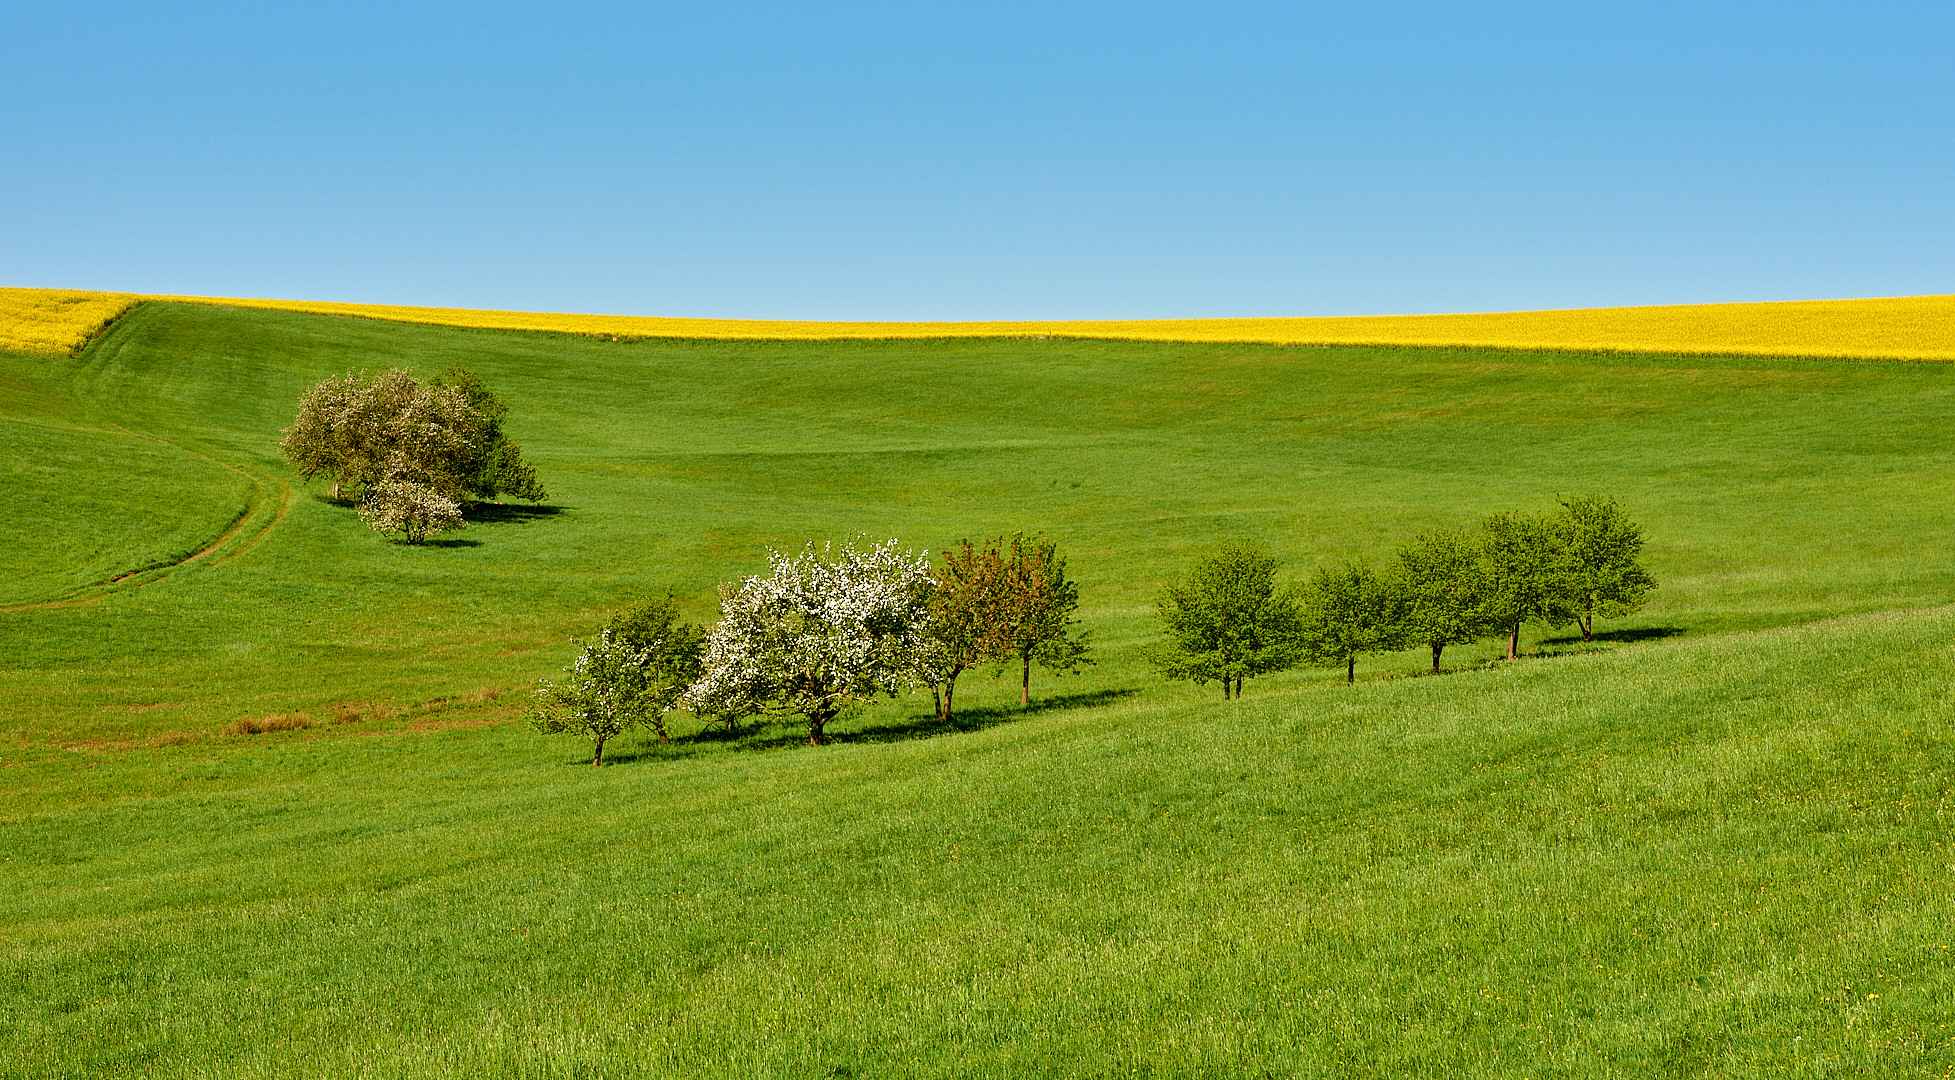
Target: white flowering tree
{"points": [[825, 630], [609, 689], [405, 507]]}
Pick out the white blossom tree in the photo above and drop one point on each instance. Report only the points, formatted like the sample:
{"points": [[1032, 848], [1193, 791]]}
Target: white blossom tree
{"points": [[609, 689], [825, 630], [400, 506]]}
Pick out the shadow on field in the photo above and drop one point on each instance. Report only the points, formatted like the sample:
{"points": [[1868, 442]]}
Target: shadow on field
{"points": [[487, 513], [781, 734], [980, 718], [451, 543], [1640, 633]]}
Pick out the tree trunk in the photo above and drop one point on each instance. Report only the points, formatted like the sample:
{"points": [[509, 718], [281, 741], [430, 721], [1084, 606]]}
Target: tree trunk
{"points": [[1514, 641], [1238, 688], [1351, 669], [817, 720], [598, 758], [1025, 684], [1225, 688], [1588, 627], [950, 690], [1437, 647], [937, 701]]}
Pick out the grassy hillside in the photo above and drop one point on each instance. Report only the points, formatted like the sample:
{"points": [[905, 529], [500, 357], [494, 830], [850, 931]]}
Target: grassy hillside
{"points": [[1774, 491], [1724, 857], [1714, 844]]}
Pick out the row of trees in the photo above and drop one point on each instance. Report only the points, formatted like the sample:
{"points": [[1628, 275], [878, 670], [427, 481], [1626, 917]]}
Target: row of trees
{"points": [[1228, 621], [415, 452], [823, 630]]}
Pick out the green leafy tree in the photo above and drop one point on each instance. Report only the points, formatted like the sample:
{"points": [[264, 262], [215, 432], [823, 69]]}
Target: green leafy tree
{"points": [[1439, 575], [1035, 609], [607, 691], [1226, 621], [1603, 550], [1524, 573], [671, 650], [1350, 611], [967, 617], [494, 465]]}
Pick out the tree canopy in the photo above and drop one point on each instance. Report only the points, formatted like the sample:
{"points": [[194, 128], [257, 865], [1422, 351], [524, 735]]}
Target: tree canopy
{"points": [[1437, 570], [1603, 550], [1226, 622], [1349, 611], [1035, 603], [445, 436], [824, 630]]}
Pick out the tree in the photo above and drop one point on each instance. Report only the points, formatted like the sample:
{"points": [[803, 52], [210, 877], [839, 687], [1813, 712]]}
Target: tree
{"points": [[1226, 621], [401, 506], [362, 431], [320, 440], [494, 465], [1440, 578], [1348, 612], [671, 651], [1523, 573], [967, 617], [823, 631], [608, 692], [1603, 549], [1036, 602]]}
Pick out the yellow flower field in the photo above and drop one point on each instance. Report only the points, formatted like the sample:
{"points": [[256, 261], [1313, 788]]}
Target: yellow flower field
{"points": [[1901, 328], [56, 321]]}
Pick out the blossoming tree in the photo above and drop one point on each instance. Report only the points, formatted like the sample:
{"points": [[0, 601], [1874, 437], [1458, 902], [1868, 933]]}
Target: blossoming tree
{"points": [[825, 630]]}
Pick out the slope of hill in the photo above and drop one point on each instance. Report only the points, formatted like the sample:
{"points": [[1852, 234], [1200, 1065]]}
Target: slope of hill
{"points": [[1724, 857], [1713, 843]]}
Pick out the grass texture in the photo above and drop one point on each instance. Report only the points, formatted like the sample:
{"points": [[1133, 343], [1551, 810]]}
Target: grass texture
{"points": [[1713, 843], [1899, 328]]}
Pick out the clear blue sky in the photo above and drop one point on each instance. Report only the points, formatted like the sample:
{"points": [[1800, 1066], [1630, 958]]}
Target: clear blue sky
{"points": [[982, 160]]}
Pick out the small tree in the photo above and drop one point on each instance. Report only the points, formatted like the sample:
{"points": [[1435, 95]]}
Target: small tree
{"points": [[400, 506], [823, 631], [967, 617], [1348, 612], [1225, 621], [1523, 572], [1036, 602], [1603, 550], [1442, 585], [671, 651], [607, 692]]}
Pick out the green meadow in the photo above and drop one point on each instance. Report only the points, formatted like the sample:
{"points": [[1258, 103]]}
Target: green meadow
{"points": [[1715, 842]]}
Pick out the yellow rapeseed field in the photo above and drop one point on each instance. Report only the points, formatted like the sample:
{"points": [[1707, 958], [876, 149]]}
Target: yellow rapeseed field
{"points": [[1901, 328], [56, 321]]}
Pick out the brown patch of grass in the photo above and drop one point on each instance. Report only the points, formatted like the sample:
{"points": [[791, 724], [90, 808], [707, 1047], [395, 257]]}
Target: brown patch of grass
{"points": [[248, 725]]}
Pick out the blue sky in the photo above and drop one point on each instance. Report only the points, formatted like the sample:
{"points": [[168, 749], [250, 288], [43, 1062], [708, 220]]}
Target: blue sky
{"points": [[982, 161]]}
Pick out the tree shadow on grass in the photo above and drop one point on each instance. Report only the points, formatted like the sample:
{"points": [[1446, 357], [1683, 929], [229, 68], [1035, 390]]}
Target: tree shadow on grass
{"points": [[451, 543], [963, 720], [1629, 636], [783, 733], [510, 513]]}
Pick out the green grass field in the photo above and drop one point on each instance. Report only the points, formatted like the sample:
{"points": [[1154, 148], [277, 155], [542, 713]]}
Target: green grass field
{"points": [[1715, 843]]}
